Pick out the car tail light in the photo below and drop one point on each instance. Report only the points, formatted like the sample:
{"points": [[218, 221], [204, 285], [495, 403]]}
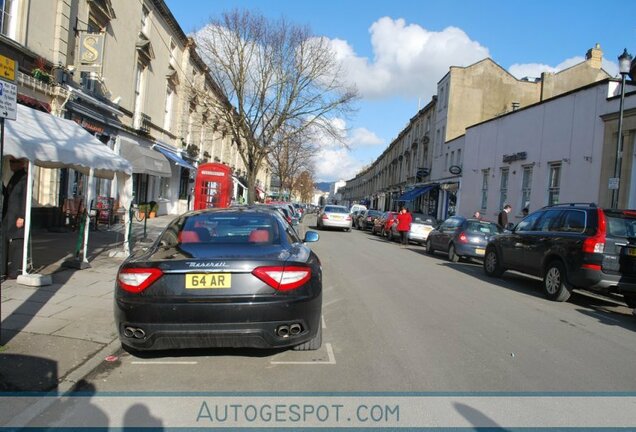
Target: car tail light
{"points": [[596, 243], [348, 217], [283, 278], [325, 217], [462, 238], [135, 280]]}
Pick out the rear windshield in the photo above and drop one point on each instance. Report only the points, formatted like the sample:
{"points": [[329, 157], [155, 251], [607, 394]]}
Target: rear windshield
{"points": [[621, 225], [423, 219], [230, 228], [483, 227], [336, 209]]}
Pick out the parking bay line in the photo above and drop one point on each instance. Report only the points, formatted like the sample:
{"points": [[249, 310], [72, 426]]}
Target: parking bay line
{"points": [[164, 362], [331, 361]]}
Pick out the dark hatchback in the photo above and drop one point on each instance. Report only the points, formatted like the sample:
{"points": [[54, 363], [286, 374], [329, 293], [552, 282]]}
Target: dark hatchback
{"points": [[571, 246], [237, 277], [460, 237]]}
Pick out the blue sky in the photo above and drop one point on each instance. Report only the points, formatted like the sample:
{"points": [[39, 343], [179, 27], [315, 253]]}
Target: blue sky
{"points": [[395, 51]]}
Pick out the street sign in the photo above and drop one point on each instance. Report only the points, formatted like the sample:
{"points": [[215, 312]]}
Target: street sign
{"points": [[8, 100], [7, 68], [613, 183]]}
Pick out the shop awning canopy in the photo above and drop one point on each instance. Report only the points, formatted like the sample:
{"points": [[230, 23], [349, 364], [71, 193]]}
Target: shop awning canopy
{"points": [[53, 142], [174, 158], [416, 192], [145, 160]]}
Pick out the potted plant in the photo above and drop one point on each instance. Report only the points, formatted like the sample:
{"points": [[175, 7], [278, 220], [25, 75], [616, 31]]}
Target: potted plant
{"points": [[153, 207], [142, 211], [39, 71]]}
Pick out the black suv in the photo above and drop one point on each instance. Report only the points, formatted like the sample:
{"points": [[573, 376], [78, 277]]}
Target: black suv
{"points": [[571, 246]]}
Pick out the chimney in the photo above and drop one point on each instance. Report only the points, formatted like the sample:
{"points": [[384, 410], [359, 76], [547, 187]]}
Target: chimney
{"points": [[515, 105], [595, 56]]}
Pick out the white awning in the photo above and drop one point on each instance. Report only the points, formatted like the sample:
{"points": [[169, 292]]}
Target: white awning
{"points": [[53, 142], [145, 160]]}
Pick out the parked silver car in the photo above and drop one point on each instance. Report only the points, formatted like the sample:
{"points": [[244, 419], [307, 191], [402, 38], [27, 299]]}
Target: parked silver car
{"points": [[334, 216], [421, 226]]}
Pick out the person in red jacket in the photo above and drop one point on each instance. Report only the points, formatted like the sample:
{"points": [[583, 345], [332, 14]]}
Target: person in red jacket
{"points": [[404, 219]]}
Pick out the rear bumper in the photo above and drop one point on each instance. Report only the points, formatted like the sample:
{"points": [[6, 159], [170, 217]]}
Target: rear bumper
{"points": [[210, 325], [336, 224], [596, 279], [468, 250], [421, 238]]}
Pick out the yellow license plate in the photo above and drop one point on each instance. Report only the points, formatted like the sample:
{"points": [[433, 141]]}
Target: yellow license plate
{"points": [[480, 251], [208, 280], [631, 251]]}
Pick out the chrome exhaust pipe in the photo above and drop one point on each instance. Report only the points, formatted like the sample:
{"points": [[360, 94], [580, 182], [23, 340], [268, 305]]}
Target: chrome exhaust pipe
{"points": [[283, 331], [139, 333], [129, 332], [294, 329]]}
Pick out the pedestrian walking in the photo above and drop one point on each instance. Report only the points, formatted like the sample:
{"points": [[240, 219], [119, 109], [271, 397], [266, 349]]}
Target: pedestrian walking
{"points": [[502, 219], [13, 219], [477, 215], [525, 212], [404, 220]]}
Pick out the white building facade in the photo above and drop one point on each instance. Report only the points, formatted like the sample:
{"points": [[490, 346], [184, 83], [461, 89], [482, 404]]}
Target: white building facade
{"points": [[548, 153]]}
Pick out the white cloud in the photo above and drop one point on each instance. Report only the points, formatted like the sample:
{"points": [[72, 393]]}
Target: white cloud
{"points": [[335, 164], [333, 160], [408, 59], [535, 69], [363, 137]]}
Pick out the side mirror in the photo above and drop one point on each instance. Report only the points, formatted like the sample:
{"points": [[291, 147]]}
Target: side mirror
{"points": [[311, 236]]}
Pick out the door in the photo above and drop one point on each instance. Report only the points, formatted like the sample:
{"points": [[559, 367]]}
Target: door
{"points": [[534, 245]]}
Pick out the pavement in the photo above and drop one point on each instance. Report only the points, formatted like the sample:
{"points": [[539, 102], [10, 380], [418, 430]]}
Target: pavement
{"points": [[52, 336]]}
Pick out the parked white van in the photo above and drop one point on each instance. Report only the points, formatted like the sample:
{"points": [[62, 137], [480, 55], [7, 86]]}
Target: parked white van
{"points": [[357, 207]]}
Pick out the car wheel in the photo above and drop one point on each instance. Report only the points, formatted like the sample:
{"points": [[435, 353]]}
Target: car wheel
{"points": [[555, 284], [452, 255], [630, 300], [312, 344], [492, 264], [429, 247]]}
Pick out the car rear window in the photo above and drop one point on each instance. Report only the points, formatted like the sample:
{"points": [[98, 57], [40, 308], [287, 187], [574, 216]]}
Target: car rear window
{"points": [[621, 225], [483, 227], [230, 228], [423, 219], [335, 209]]}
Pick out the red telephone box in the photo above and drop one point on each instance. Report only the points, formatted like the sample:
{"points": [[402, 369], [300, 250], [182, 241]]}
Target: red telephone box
{"points": [[213, 186]]}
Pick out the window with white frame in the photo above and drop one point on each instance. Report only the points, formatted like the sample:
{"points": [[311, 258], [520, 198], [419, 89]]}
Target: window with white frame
{"points": [[164, 187], [526, 186], [145, 20], [446, 163], [7, 17], [459, 157], [503, 187], [554, 183], [484, 188], [139, 90], [167, 112], [452, 159]]}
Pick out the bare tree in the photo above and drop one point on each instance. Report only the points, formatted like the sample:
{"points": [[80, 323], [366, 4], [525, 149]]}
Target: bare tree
{"points": [[304, 184], [289, 155], [279, 79]]}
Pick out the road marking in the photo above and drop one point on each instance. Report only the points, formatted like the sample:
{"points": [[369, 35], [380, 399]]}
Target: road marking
{"points": [[331, 361], [324, 324], [164, 362]]}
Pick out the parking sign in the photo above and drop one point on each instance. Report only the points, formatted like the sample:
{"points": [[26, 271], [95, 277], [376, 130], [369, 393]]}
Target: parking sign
{"points": [[8, 100]]}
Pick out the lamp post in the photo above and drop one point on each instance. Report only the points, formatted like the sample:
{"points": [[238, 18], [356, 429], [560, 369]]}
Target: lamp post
{"points": [[624, 63]]}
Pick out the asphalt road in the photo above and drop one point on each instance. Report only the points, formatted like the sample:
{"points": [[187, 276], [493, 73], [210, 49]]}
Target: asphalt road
{"points": [[398, 320]]}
